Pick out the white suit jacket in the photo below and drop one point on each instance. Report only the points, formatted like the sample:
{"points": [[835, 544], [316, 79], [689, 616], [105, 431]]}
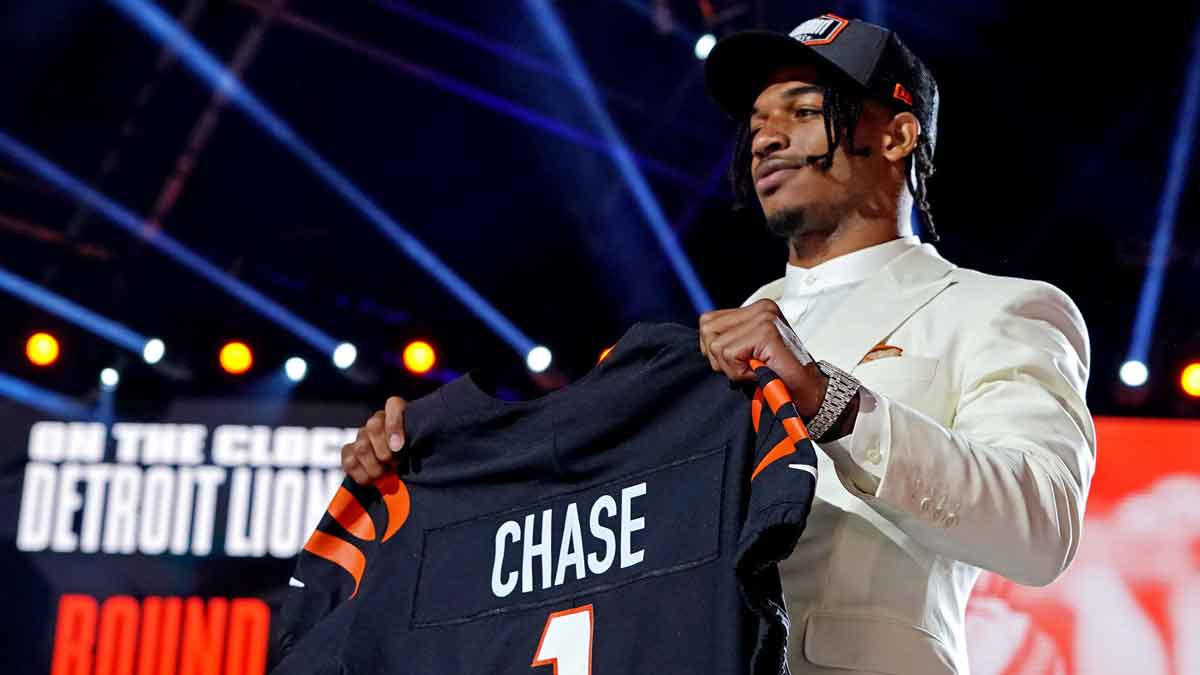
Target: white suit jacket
{"points": [[989, 448]]}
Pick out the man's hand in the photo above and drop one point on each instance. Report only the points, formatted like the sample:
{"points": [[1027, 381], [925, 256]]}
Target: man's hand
{"points": [[731, 337], [373, 453]]}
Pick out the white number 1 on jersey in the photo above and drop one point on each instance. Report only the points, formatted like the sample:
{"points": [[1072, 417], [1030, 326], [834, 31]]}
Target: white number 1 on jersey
{"points": [[567, 642]]}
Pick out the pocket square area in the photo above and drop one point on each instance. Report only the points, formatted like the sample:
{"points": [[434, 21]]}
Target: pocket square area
{"points": [[882, 351]]}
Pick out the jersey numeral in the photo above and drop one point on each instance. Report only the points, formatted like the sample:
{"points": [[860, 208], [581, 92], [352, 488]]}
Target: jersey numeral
{"points": [[567, 642]]}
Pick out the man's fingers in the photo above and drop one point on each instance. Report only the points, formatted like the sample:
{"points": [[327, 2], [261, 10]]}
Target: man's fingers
{"points": [[724, 347], [708, 317], [381, 450], [372, 453], [725, 354], [735, 347], [373, 430], [770, 306], [393, 423], [710, 326], [714, 324], [723, 332], [705, 349], [359, 475], [716, 334], [365, 454], [352, 467], [716, 354]]}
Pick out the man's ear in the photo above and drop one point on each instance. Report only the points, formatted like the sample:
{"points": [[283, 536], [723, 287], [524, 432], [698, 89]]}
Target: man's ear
{"points": [[900, 136]]}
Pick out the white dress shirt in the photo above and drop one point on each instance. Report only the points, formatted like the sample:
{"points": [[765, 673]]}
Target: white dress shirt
{"points": [[809, 298]]}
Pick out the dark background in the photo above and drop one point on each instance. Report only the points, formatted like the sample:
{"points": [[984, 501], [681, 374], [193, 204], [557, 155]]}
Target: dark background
{"points": [[1057, 121]]}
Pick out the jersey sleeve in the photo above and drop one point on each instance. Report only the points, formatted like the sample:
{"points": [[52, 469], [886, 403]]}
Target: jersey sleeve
{"points": [[333, 561], [782, 486], [331, 565]]}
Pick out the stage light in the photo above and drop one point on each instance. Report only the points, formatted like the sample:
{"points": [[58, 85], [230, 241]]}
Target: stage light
{"points": [[704, 45], [236, 358], [1134, 373], [419, 357], [1174, 188], [1190, 380], [110, 378], [604, 354], [296, 368], [345, 355], [539, 359], [42, 349], [154, 350]]}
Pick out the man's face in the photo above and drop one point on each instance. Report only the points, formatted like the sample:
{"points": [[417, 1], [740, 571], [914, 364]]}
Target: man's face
{"points": [[787, 128]]}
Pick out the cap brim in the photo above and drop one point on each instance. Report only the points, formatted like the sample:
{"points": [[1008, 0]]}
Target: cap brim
{"points": [[737, 68]]}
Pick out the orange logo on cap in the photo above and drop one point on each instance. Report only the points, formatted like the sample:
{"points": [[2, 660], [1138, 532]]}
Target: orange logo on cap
{"points": [[902, 94]]}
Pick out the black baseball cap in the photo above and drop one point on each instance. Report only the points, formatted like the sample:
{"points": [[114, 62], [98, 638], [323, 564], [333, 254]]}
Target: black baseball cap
{"points": [[861, 55]]}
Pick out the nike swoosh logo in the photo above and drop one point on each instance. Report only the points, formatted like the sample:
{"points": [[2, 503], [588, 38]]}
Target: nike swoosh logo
{"points": [[804, 467], [295, 582]]}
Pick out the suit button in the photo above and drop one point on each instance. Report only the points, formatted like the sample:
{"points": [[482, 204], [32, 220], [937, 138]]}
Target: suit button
{"points": [[951, 520], [926, 504], [874, 456]]}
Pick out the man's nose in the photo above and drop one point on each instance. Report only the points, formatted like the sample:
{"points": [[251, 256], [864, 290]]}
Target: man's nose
{"points": [[768, 142]]}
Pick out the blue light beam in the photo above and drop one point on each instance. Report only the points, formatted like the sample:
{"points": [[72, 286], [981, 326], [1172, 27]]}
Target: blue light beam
{"points": [[160, 26], [1177, 169], [83, 317], [679, 31], [523, 60], [131, 223], [556, 34], [875, 12], [49, 402], [476, 95]]}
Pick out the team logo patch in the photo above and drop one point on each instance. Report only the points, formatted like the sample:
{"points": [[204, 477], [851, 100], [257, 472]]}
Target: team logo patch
{"points": [[820, 31], [901, 94]]}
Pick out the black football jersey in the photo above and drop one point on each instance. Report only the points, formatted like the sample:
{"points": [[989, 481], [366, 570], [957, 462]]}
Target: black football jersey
{"points": [[628, 523]]}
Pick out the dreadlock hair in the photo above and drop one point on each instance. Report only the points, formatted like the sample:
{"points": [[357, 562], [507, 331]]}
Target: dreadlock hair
{"points": [[917, 181], [842, 111]]}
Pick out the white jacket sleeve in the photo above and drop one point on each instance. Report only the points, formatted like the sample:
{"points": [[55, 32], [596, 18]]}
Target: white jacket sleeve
{"points": [[1004, 487]]}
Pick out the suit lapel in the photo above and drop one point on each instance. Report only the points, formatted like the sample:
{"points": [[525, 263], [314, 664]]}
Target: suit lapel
{"points": [[880, 305]]}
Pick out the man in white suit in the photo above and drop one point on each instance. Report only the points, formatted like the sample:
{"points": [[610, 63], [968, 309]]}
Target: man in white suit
{"points": [[949, 404]]}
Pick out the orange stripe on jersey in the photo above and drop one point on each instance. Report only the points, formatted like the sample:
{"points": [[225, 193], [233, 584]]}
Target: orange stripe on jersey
{"points": [[777, 394], [795, 428], [350, 514], [341, 553], [395, 496], [756, 408], [782, 449]]}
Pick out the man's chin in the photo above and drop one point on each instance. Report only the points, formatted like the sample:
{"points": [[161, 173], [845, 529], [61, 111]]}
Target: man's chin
{"points": [[781, 200], [798, 220], [786, 222]]}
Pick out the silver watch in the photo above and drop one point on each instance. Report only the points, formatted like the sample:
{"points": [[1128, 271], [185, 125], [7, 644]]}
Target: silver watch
{"points": [[841, 390]]}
